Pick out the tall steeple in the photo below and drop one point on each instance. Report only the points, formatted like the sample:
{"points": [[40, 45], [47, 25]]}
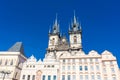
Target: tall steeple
{"points": [[55, 29], [74, 25], [75, 20], [54, 35], [75, 34]]}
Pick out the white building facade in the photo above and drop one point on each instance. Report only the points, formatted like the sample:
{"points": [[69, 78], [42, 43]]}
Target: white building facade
{"points": [[11, 62], [63, 60]]}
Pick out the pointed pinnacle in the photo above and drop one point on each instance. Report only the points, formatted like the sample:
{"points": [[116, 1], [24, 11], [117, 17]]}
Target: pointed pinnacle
{"points": [[56, 20], [75, 21]]}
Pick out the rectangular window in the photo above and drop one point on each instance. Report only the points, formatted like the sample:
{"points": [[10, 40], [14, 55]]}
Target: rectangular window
{"points": [[33, 77], [105, 78], [92, 68], [48, 66], [86, 68], [63, 68], [11, 63], [54, 77], [53, 66], [114, 78], [85, 60], [63, 60], [93, 77], [23, 77], [28, 77], [104, 63], [73, 60], [74, 77], [81, 77], [33, 66], [68, 77], [63, 77], [96, 59], [104, 70], [0, 62], [74, 68], [98, 77], [49, 77], [43, 78], [111, 63], [112, 70], [91, 60], [86, 77], [6, 62], [97, 67], [68, 60], [80, 60], [68, 67], [80, 68]]}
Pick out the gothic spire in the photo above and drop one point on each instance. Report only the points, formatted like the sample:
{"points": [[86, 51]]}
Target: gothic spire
{"points": [[75, 21], [49, 30], [75, 24], [55, 27], [80, 27], [56, 22], [69, 28]]}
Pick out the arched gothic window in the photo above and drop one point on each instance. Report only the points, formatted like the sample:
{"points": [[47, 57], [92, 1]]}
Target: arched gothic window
{"points": [[75, 39], [11, 63], [53, 41], [0, 61], [6, 62]]}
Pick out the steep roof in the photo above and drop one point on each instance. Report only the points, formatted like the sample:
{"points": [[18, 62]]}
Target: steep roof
{"points": [[17, 47]]}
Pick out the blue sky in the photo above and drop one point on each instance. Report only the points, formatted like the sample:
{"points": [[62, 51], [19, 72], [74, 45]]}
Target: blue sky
{"points": [[29, 21]]}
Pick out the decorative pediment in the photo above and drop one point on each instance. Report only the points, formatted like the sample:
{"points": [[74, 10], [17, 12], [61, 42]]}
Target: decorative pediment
{"points": [[39, 61], [93, 53], [31, 59], [106, 52], [80, 53], [107, 55]]}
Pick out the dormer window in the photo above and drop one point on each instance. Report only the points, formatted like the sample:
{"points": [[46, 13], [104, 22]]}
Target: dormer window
{"points": [[53, 66], [48, 66]]}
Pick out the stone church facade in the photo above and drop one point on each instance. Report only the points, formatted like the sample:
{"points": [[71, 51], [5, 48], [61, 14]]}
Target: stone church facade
{"points": [[63, 60]]}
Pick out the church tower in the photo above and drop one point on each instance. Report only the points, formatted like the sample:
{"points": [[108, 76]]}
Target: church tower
{"points": [[54, 36], [75, 35]]}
